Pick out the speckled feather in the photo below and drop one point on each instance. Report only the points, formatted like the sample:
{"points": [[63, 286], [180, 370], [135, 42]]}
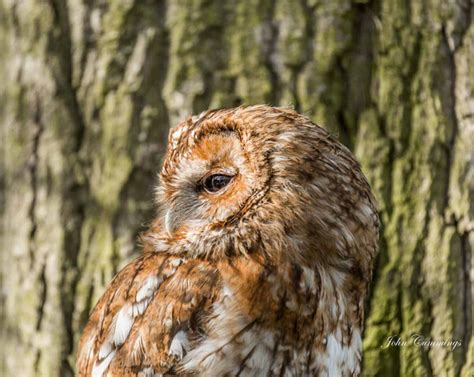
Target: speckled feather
{"points": [[267, 277]]}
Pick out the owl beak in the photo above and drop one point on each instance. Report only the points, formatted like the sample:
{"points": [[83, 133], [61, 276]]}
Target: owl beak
{"points": [[176, 215], [170, 223]]}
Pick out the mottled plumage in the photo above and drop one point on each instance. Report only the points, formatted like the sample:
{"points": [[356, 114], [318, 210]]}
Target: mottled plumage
{"points": [[257, 264]]}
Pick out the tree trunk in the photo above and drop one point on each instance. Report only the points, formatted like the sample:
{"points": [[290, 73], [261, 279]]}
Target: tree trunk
{"points": [[90, 88]]}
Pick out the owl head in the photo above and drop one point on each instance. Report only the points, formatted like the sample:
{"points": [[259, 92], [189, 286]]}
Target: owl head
{"points": [[263, 181]]}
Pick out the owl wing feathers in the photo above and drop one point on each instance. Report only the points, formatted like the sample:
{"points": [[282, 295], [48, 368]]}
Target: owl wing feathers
{"points": [[150, 316]]}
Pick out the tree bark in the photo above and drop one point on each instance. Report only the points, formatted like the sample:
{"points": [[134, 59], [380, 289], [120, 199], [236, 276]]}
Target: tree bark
{"points": [[90, 89]]}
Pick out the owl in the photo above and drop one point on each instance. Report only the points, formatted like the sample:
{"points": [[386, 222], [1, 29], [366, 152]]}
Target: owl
{"points": [[257, 263]]}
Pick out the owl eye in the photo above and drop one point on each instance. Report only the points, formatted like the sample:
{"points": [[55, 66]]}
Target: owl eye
{"points": [[216, 182]]}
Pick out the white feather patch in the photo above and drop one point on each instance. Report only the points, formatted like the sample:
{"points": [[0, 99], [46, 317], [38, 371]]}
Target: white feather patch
{"points": [[139, 307], [149, 372], [105, 350], [89, 347], [227, 291], [355, 353], [123, 324], [148, 288], [168, 222], [176, 262], [340, 359], [99, 368], [179, 344], [161, 245]]}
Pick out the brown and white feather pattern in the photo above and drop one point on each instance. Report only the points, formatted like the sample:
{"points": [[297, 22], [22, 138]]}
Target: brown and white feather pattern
{"points": [[265, 276]]}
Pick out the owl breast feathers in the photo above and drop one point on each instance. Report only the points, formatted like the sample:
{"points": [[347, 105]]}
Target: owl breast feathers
{"points": [[258, 261]]}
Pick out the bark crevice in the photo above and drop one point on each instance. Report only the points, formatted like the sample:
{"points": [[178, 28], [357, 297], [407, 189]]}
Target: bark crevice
{"points": [[466, 297], [33, 172]]}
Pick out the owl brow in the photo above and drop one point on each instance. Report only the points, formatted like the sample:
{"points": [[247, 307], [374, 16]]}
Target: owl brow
{"points": [[219, 130]]}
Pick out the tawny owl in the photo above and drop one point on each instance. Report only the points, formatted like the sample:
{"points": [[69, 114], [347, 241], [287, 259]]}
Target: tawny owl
{"points": [[257, 264]]}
